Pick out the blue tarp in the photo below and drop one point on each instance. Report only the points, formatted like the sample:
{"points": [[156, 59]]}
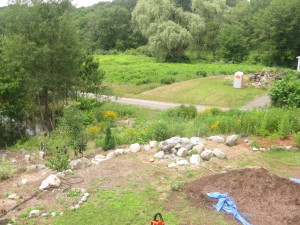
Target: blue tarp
{"points": [[226, 203], [295, 179]]}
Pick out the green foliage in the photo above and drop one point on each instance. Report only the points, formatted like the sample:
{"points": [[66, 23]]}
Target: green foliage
{"points": [[201, 73], [73, 123], [286, 92], [73, 193], [7, 169], [58, 162], [109, 142], [188, 112], [161, 130], [167, 80], [297, 137], [25, 214]]}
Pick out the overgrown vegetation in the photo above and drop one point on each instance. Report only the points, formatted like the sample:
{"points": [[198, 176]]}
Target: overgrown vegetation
{"points": [[6, 168]]}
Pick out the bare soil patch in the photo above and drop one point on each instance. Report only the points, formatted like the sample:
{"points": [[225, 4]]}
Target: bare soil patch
{"points": [[266, 197]]}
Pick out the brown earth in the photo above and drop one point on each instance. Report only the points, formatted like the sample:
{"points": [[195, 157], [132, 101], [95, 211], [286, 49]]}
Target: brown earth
{"points": [[266, 197]]}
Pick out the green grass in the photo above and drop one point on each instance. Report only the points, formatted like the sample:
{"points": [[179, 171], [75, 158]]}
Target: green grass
{"points": [[129, 69], [209, 91]]}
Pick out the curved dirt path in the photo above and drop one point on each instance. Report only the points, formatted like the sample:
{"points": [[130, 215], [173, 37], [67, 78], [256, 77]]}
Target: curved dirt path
{"points": [[158, 105]]}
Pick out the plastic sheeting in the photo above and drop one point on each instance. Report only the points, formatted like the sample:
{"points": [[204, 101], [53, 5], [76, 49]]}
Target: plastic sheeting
{"points": [[226, 203], [296, 180]]}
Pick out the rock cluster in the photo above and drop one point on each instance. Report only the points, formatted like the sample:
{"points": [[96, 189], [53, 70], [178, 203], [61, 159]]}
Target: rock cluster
{"points": [[264, 78]]}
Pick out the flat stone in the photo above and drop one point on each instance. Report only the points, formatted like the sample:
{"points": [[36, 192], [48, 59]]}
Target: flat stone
{"points": [[77, 206], [119, 151], [41, 155], [24, 181], [184, 141], [182, 162], [87, 195], [172, 165], [13, 197], [80, 163], [72, 208], [83, 199], [110, 155], [217, 139], [219, 153], [44, 214], [98, 159], [151, 160], [53, 214], [197, 141]]}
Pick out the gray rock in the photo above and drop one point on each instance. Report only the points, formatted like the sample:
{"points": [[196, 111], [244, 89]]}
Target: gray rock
{"points": [[119, 151], [24, 181], [182, 152], [50, 181], [217, 139], [31, 169], [72, 208], [22, 151], [77, 206], [246, 141], [159, 155], [98, 159], [87, 195], [188, 146], [231, 140], [61, 175], [41, 155], [68, 172], [184, 141], [199, 148], [254, 149], [34, 213], [195, 159], [41, 167], [167, 146], [153, 144], [174, 140], [80, 163], [172, 165], [177, 147], [197, 141], [27, 158], [80, 202], [135, 148], [44, 214], [206, 154], [110, 155], [147, 147], [151, 160], [83, 199], [53, 214], [219, 153], [182, 162], [13, 197]]}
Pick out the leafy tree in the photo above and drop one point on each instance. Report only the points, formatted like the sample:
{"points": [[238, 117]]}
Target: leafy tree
{"points": [[233, 46], [169, 29], [278, 31]]}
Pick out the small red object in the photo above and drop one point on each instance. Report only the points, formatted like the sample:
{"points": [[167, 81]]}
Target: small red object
{"points": [[157, 222]]}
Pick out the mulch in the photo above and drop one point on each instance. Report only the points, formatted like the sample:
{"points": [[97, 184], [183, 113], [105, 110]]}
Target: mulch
{"points": [[267, 198]]}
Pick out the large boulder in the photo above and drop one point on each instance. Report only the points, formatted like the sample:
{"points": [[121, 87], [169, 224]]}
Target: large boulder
{"points": [[231, 140], [182, 152], [195, 159], [217, 139], [80, 163], [219, 153], [159, 155], [135, 147], [184, 141], [51, 181], [206, 154]]}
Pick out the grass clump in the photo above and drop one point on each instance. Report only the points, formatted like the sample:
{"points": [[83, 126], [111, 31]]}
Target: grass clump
{"points": [[7, 169]]}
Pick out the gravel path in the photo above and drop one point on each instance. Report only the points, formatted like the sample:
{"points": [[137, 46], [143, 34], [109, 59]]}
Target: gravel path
{"points": [[260, 101]]}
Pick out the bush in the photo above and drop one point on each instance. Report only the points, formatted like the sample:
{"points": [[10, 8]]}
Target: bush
{"points": [[6, 168], [161, 130], [59, 162], [183, 111], [167, 80], [286, 92], [201, 73], [109, 142]]}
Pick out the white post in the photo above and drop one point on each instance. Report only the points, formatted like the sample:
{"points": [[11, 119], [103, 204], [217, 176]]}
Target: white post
{"points": [[298, 67]]}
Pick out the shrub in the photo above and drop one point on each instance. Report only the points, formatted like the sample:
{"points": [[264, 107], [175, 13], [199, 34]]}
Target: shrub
{"points": [[6, 168], [183, 111], [109, 142], [161, 130], [167, 80], [59, 162], [286, 92], [201, 73]]}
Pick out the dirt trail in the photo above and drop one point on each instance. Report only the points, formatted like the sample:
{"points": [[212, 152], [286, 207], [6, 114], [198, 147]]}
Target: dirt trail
{"points": [[257, 102]]}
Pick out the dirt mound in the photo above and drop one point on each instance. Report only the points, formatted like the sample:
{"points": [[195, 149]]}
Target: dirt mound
{"points": [[267, 198]]}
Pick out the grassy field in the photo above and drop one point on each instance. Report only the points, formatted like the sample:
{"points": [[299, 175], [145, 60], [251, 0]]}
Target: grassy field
{"points": [[138, 70], [209, 91]]}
